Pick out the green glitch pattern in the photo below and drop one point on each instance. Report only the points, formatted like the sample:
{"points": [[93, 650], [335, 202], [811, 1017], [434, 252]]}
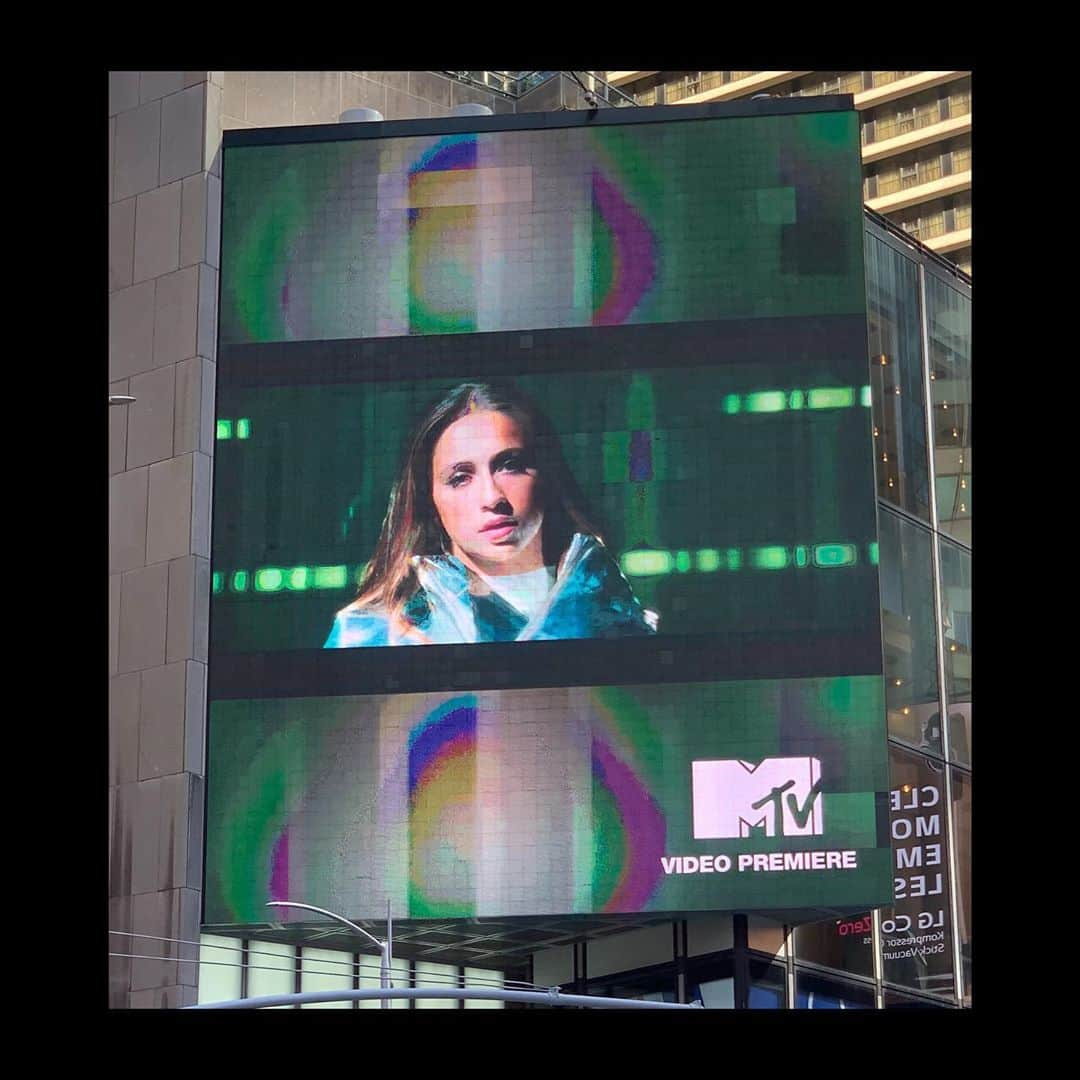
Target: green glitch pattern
{"points": [[275, 579], [657, 562], [648, 562], [775, 401], [226, 428], [252, 816], [716, 210]]}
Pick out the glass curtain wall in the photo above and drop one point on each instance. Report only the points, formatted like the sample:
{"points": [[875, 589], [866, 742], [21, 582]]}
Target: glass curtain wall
{"points": [[917, 952]]}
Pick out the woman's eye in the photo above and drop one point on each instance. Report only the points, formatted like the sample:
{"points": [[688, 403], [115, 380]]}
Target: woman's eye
{"points": [[515, 465], [458, 479]]}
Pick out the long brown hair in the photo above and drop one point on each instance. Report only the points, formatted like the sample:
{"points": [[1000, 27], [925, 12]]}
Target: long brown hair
{"points": [[412, 526]]}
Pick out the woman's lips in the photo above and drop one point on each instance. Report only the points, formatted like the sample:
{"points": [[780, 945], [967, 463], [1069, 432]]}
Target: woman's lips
{"points": [[498, 530]]}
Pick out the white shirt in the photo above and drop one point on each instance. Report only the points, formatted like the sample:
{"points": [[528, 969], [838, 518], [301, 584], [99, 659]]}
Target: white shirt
{"points": [[524, 592]]}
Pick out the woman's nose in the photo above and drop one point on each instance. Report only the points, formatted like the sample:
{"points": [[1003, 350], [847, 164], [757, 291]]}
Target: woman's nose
{"points": [[493, 495]]}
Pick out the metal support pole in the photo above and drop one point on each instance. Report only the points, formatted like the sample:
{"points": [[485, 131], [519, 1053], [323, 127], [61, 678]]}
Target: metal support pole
{"points": [[385, 983], [387, 960], [741, 934]]}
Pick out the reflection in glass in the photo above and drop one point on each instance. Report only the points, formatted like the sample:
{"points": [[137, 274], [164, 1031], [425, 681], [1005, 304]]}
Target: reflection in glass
{"points": [[909, 641], [960, 733], [916, 931], [768, 985], [714, 993], [894, 1000], [765, 936], [956, 628], [896, 380], [961, 811], [845, 944], [711, 981], [656, 984], [818, 992], [948, 318]]}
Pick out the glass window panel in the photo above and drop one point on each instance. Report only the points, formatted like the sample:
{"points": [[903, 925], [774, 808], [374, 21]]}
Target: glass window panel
{"points": [[484, 980], [948, 318], [916, 930], [219, 968], [429, 976], [896, 378], [766, 996], [764, 935], [960, 732], [656, 984], [845, 944], [883, 77], [961, 813], [892, 999], [956, 631], [325, 969], [908, 638], [369, 979], [271, 969], [852, 83], [708, 932], [714, 993], [818, 992], [891, 121], [712, 981], [768, 985]]}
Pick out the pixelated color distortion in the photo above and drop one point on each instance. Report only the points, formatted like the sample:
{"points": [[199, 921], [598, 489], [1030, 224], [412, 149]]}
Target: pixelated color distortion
{"points": [[629, 828], [443, 241], [442, 791]]}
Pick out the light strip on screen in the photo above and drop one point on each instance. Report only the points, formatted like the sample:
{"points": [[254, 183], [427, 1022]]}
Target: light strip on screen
{"points": [[757, 401], [641, 562], [227, 428]]}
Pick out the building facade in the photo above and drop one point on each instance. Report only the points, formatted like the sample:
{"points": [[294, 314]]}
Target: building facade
{"points": [[164, 219]]}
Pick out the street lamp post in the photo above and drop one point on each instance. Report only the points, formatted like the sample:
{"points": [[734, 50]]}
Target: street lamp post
{"points": [[383, 946]]}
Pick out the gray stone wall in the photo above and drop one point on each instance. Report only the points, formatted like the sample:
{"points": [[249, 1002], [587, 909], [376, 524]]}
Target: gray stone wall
{"points": [[280, 98], [164, 196]]}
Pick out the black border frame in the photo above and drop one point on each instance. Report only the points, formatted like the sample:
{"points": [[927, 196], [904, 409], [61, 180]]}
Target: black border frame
{"points": [[531, 121], [272, 674]]}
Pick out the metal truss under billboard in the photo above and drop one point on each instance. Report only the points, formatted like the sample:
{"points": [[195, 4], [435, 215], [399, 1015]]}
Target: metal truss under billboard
{"points": [[545, 549]]}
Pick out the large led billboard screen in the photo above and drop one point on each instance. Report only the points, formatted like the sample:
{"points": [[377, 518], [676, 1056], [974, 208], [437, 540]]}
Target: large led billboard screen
{"points": [[580, 406]]}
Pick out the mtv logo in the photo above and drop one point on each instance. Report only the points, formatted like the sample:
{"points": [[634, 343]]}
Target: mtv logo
{"points": [[732, 797]]}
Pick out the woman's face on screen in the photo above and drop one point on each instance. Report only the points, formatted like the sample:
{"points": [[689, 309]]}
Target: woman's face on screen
{"points": [[486, 491]]}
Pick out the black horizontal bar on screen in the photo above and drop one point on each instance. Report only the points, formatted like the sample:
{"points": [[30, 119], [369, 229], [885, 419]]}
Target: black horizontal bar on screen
{"points": [[520, 665], [821, 342]]}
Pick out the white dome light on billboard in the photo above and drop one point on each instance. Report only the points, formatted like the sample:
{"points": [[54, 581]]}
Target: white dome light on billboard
{"points": [[471, 108], [361, 115]]}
